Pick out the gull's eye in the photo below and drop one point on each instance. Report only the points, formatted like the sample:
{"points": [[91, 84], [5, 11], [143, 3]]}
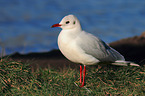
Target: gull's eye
{"points": [[67, 22], [74, 22]]}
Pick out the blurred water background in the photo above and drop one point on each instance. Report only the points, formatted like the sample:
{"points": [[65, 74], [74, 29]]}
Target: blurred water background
{"points": [[25, 24]]}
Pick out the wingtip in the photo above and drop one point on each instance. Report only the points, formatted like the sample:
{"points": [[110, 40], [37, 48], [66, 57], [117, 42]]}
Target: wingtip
{"points": [[133, 64]]}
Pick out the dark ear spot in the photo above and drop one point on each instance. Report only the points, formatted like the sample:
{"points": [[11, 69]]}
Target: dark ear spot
{"points": [[67, 22], [74, 22]]}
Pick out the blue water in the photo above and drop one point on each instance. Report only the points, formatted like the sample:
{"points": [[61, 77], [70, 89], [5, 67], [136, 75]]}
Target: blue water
{"points": [[25, 24]]}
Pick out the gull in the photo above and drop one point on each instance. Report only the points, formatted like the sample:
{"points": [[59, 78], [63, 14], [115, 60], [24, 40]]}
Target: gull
{"points": [[84, 48]]}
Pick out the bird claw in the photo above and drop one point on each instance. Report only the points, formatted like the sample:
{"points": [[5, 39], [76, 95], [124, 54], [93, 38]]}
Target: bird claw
{"points": [[82, 85]]}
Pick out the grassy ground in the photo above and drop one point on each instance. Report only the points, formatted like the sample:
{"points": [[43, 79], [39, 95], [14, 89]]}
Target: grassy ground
{"points": [[16, 78]]}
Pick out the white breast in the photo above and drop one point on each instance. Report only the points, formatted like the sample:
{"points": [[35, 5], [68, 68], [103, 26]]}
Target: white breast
{"points": [[67, 43]]}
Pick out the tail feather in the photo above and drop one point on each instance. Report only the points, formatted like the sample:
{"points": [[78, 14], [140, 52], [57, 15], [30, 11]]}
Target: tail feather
{"points": [[124, 63]]}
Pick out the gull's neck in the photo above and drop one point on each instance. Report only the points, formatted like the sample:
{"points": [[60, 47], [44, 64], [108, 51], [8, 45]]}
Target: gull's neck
{"points": [[67, 35], [75, 30]]}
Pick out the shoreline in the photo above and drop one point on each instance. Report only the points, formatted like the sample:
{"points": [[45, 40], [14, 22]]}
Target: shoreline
{"points": [[133, 49]]}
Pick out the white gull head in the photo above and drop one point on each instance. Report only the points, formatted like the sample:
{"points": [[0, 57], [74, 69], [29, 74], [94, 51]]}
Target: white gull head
{"points": [[69, 22]]}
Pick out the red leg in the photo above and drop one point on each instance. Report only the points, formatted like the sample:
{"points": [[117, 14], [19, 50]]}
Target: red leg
{"points": [[80, 74], [84, 72]]}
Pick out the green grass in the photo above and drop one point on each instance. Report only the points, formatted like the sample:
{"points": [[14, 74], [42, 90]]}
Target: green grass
{"points": [[17, 79]]}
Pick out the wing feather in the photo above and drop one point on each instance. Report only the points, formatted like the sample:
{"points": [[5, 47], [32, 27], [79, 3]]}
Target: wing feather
{"points": [[97, 48]]}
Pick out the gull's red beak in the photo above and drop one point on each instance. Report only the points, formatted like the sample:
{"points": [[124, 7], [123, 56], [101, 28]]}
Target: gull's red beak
{"points": [[55, 25]]}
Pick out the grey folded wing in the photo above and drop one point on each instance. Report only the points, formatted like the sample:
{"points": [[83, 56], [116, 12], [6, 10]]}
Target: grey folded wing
{"points": [[98, 48]]}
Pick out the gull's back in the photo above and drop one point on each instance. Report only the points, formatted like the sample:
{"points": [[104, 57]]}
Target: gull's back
{"points": [[97, 48]]}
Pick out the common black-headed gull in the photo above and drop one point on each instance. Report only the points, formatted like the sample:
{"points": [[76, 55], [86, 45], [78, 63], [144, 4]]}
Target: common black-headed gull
{"points": [[84, 48]]}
